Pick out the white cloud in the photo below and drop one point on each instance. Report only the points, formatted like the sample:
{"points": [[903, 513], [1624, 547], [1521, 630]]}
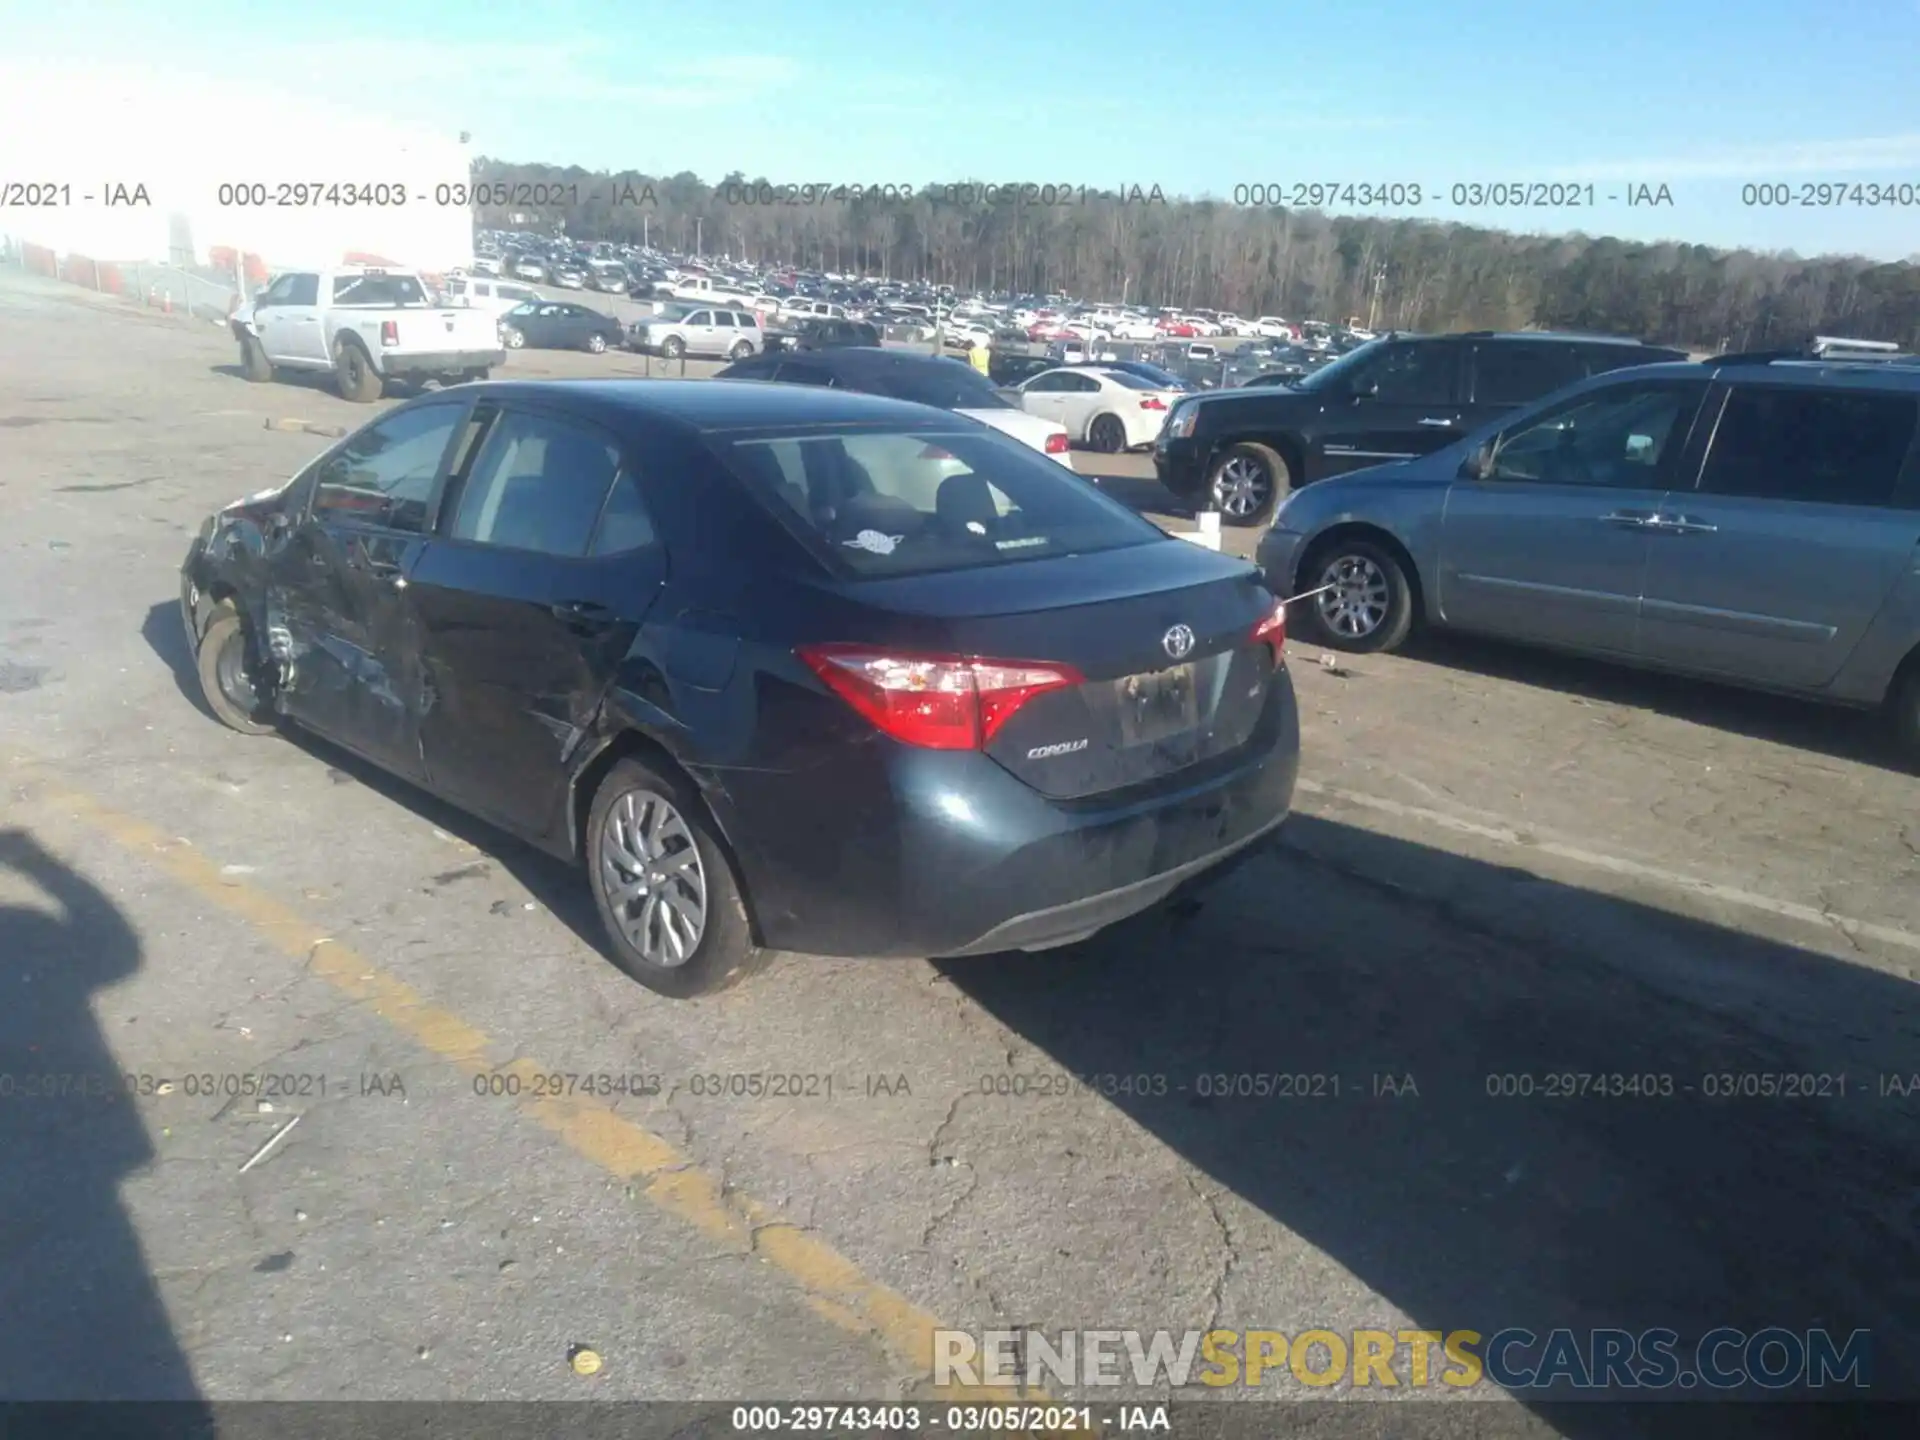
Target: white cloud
{"points": [[1865, 155]]}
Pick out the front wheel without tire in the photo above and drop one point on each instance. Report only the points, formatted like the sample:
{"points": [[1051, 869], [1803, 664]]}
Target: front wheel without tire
{"points": [[1367, 603], [355, 376], [230, 674], [596, 344], [668, 898], [1246, 483]]}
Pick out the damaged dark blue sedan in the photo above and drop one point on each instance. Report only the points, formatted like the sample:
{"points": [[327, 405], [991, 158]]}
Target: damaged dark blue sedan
{"points": [[781, 668]]}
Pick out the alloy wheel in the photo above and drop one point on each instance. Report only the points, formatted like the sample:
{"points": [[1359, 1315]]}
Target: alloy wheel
{"points": [[653, 879], [1241, 487], [1357, 604]]}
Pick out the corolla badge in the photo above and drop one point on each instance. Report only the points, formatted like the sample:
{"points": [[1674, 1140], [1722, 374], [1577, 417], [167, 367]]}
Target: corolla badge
{"points": [[1178, 642], [874, 541]]}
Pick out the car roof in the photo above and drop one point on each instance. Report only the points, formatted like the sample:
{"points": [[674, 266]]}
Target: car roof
{"points": [[712, 405]]}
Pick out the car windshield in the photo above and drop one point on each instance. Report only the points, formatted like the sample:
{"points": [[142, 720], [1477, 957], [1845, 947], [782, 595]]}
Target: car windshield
{"points": [[871, 503], [672, 314], [526, 307], [1338, 371]]}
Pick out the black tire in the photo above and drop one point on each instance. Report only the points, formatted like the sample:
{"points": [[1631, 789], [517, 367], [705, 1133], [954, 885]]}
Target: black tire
{"points": [[1246, 484], [228, 669], [1903, 710], [673, 347], [725, 953], [596, 344], [354, 375], [253, 360], [513, 339], [1373, 609], [740, 351], [1107, 434]]}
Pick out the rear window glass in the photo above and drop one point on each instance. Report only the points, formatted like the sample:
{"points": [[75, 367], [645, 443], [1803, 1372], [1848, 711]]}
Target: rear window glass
{"points": [[943, 384], [896, 502], [378, 290]]}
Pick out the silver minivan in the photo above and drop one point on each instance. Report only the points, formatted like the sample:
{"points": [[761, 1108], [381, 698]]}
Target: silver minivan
{"points": [[1753, 519], [694, 329]]}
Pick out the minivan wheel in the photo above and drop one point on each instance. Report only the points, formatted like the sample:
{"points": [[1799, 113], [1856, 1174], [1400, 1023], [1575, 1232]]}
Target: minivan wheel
{"points": [[1246, 483], [668, 899], [229, 674], [1107, 435], [1367, 606]]}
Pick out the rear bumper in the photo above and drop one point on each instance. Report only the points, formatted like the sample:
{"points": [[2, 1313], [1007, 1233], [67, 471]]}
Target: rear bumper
{"points": [[441, 362], [945, 853]]}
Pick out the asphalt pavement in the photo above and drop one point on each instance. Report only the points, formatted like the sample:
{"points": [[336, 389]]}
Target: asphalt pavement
{"points": [[303, 1148]]}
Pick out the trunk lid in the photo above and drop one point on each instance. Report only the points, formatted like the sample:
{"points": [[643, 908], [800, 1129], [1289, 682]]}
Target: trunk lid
{"points": [[1162, 635]]}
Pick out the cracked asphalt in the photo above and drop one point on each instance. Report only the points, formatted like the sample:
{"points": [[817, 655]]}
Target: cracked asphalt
{"points": [[1502, 865]]}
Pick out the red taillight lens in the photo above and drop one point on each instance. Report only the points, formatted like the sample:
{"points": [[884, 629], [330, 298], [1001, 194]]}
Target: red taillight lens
{"points": [[1152, 404], [390, 332], [938, 702], [1272, 631], [1058, 443]]}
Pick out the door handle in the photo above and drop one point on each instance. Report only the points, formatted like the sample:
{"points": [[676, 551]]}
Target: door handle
{"points": [[583, 613], [1633, 519]]}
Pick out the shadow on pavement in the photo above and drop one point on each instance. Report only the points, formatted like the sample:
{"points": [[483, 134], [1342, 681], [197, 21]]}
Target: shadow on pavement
{"points": [[166, 635], [80, 1317], [1844, 734], [1350, 955]]}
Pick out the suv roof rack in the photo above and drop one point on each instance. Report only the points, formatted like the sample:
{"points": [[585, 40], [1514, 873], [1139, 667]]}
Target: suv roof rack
{"points": [[1822, 350]]}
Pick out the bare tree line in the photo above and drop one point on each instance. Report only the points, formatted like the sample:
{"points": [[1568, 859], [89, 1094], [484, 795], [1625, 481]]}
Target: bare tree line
{"points": [[1406, 274]]}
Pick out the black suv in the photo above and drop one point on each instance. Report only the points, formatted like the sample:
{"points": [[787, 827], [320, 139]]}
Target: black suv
{"points": [[1239, 451], [822, 334]]}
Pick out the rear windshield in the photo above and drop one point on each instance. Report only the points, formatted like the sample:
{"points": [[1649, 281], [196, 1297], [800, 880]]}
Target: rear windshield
{"points": [[874, 503], [378, 290], [1132, 382], [944, 384]]}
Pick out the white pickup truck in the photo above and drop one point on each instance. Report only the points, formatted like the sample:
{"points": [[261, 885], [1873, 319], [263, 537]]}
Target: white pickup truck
{"points": [[367, 326]]}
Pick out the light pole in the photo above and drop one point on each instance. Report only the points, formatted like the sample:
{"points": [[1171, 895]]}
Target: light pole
{"points": [[1373, 304]]}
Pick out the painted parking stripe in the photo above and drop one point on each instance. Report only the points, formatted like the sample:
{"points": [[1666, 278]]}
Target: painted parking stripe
{"points": [[1616, 865], [832, 1285]]}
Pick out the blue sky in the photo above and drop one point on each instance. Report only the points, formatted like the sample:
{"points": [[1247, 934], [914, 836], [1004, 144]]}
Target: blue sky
{"points": [[1198, 96]]}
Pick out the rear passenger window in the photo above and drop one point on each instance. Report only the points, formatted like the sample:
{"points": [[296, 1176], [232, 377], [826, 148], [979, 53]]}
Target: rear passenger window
{"points": [[1823, 446], [1523, 371], [538, 484], [624, 524]]}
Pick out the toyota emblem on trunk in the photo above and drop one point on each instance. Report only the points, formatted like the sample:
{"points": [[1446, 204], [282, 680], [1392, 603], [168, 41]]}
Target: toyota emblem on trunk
{"points": [[1178, 641]]}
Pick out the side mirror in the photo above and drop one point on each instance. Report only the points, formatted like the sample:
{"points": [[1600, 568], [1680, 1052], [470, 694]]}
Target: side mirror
{"points": [[1479, 462]]}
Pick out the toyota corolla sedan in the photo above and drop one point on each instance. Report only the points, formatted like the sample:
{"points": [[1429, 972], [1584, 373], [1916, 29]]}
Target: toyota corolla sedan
{"points": [[781, 668]]}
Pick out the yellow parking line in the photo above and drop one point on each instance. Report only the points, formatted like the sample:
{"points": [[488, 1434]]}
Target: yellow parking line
{"points": [[832, 1285]]}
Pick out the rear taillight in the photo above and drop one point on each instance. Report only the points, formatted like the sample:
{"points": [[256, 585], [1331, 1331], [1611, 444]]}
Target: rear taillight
{"points": [[389, 332], [1058, 443], [937, 702], [1272, 631], [1150, 403]]}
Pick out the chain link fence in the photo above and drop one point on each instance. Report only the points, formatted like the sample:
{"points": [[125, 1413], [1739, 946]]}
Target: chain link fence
{"points": [[188, 290]]}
